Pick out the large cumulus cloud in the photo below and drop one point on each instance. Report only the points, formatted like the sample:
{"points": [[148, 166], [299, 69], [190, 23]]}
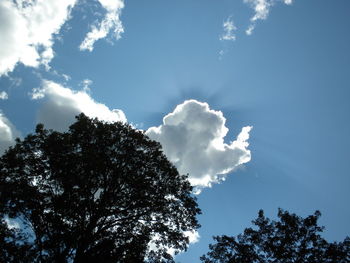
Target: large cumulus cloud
{"points": [[192, 137], [27, 28], [62, 104]]}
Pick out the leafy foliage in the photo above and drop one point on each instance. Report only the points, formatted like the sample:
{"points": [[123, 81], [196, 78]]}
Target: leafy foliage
{"points": [[291, 239], [99, 192]]}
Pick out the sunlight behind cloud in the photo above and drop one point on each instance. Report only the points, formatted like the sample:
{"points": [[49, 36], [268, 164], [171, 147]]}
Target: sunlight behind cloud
{"points": [[192, 137]]}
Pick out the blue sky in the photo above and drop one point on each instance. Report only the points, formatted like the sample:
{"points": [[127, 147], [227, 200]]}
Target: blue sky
{"points": [[289, 79]]}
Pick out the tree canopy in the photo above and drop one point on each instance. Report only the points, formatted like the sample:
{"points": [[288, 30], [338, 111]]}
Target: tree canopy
{"points": [[290, 239], [100, 192]]}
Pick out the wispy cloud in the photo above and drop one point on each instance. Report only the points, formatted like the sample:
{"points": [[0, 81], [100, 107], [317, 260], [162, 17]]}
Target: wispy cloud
{"points": [[229, 30], [192, 137], [62, 104], [27, 29], [229, 34], [261, 11], [3, 95], [111, 22], [85, 84]]}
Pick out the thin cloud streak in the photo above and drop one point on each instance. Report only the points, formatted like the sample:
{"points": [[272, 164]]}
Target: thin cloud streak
{"points": [[111, 22]]}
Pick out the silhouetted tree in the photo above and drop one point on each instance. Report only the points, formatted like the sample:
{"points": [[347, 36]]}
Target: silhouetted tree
{"points": [[99, 192], [291, 239], [13, 245]]}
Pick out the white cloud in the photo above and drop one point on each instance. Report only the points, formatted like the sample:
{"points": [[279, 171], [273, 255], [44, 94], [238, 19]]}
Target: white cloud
{"points": [[66, 77], [86, 83], [63, 104], [229, 30], [27, 29], [3, 95], [192, 137], [8, 133], [111, 21], [14, 82], [11, 223], [193, 237], [261, 11]]}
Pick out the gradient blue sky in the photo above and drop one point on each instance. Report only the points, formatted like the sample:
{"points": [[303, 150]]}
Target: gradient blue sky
{"points": [[289, 79]]}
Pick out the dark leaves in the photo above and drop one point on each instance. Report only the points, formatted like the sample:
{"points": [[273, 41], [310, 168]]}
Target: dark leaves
{"points": [[291, 239], [99, 191]]}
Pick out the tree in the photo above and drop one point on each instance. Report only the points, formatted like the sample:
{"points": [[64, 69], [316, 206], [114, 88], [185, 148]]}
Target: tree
{"points": [[100, 192], [291, 239]]}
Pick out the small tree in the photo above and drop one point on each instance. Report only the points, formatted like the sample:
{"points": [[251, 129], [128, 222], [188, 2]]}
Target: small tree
{"points": [[97, 193], [291, 239]]}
